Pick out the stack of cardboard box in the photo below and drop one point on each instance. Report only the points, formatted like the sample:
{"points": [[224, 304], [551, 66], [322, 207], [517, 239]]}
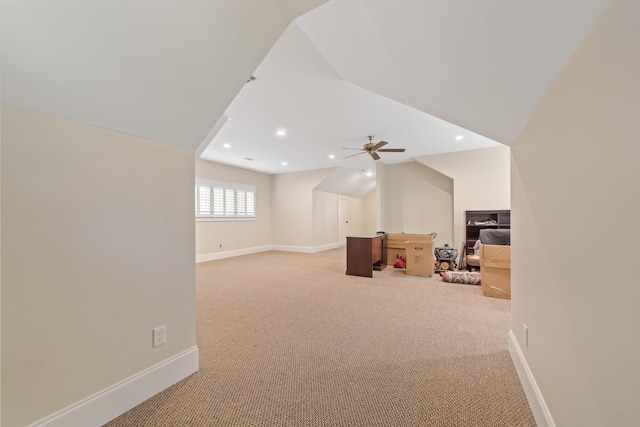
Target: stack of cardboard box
{"points": [[495, 270]]}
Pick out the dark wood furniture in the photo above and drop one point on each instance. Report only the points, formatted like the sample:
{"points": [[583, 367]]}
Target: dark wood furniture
{"points": [[365, 254], [477, 220]]}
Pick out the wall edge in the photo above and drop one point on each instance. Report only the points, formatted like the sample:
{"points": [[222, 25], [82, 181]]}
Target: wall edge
{"points": [[538, 406]]}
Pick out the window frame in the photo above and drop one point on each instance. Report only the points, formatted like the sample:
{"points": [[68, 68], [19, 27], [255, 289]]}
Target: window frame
{"points": [[226, 191]]}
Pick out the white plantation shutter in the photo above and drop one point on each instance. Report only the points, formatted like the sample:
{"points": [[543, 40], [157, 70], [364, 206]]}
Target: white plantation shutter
{"points": [[229, 202], [204, 200], [251, 203], [218, 201], [224, 200], [241, 203]]}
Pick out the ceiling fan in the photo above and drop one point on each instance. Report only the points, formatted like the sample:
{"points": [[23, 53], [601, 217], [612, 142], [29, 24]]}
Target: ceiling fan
{"points": [[374, 149]]}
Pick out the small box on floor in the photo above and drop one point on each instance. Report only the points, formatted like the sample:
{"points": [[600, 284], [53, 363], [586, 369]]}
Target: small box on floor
{"points": [[420, 260], [495, 270]]}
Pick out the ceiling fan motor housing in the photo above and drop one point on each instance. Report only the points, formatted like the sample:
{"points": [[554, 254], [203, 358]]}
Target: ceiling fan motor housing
{"points": [[373, 149]]}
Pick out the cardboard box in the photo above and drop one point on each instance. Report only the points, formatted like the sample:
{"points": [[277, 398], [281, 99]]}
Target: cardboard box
{"points": [[420, 259], [495, 270], [396, 244]]}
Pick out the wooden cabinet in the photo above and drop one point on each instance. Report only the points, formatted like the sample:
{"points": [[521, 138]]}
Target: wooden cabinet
{"points": [[477, 220], [365, 254]]}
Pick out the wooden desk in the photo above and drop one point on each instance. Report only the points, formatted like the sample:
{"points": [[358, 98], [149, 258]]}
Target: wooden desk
{"points": [[365, 254]]}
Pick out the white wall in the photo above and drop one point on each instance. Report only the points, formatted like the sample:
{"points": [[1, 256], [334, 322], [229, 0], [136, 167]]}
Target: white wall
{"points": [[419, 200], [481, 180], [97, 249], [575, 213], [235, 235]]}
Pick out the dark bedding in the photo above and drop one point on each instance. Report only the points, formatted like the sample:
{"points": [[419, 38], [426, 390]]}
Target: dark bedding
{"points": [[495, 237]]}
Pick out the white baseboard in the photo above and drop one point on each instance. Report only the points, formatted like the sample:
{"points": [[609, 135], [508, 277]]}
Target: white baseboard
{"points": [[230, 254], [247, 251], [327, 247], [305, 249], [117, 399], [534, 396]]}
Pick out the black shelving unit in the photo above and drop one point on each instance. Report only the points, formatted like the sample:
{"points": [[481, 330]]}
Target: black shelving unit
{"points": [[478, 220]]}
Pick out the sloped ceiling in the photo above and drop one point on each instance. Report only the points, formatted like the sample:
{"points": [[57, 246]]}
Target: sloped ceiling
{"points": [[483, 65], [349, 182], [164, 70], [415, 73]]}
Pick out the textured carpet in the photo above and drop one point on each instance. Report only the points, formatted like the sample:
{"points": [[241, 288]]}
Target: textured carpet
{"points": [[289, 340]]}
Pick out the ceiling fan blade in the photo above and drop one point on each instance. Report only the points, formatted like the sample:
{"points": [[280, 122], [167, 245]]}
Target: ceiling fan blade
{"points": [[374, 155], [392, 150], [378, 145], [362, 152], [349, 148]]}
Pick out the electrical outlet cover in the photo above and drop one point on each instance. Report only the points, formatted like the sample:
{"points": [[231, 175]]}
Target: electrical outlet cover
{"points": [[159, 335]]}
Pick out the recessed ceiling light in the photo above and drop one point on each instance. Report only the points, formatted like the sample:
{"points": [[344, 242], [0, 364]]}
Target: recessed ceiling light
{"points": [[368, 173], [284, 163], [226, 145], [459, 138], [281, 132], [332, 156]]}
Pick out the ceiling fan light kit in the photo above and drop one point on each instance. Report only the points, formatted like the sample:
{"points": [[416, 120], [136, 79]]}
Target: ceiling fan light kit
{"points": [[373, 149]]}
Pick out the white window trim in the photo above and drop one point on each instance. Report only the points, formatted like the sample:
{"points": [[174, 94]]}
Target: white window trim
{"points": [[209, 183]]}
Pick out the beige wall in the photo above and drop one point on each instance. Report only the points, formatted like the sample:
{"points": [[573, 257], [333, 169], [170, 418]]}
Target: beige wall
{"points": [[381, 197], [481, 180], [324, 218], [357, 216], [144, 258], [419, 200], [575, 213], [289, 212], [370, 212], [0, 268], [292, 207], [235, 235], [97, 249]]}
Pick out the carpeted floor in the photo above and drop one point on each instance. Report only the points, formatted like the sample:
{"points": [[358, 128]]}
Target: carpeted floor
{"points": [[288, 339]]}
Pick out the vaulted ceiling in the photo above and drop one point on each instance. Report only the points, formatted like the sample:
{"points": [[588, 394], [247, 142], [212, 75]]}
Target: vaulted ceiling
{"points": [[416, 73]]}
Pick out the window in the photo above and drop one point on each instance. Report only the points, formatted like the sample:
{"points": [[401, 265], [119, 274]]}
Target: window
{"points": [[217, 200]]}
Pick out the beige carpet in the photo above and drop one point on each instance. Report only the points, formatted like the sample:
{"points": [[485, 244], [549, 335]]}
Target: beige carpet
{"points": [[289, 340]]}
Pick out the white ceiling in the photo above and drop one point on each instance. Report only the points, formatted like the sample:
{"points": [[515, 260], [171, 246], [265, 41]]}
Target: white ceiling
{"points": [[297, 89], [415, 73]]}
